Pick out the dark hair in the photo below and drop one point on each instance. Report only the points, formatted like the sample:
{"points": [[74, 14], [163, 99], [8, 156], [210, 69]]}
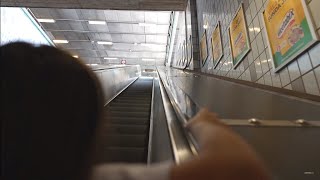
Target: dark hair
{"points": [[50, 107]]}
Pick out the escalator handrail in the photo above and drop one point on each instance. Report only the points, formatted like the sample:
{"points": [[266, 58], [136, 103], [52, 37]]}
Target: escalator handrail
{"points": [[149, 156], [181, 119]]}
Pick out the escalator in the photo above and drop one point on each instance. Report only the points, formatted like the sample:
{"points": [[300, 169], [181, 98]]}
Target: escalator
{"points": [[126, 121]]}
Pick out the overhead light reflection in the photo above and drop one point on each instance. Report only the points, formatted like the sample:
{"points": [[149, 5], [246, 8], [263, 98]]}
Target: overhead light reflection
{"points": [[59, 41], [97, 22], [46, 20], [147, 24], [104, 42]]}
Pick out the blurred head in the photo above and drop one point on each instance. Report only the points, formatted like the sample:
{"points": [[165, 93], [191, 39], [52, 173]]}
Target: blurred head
{"points": [[50, 105]]}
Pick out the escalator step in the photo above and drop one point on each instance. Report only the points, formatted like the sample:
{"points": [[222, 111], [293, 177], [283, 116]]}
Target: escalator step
{"points": [[129, 109], [128, 155], [113, 114], [122, 140], [129, 120], [127, 129]]}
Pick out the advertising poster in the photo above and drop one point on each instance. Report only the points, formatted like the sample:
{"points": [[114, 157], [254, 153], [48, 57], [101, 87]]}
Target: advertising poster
{"points": [[289, 30], [203, 48], [238, 36], [217, 48]]}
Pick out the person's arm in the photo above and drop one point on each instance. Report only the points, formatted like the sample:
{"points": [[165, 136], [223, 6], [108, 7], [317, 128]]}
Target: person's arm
{"points": [[223, 154]]}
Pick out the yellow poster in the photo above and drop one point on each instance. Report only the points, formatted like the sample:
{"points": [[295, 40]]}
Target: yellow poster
{"points": [[203, 48], [288, 30], [238, 34], [217, 51]]}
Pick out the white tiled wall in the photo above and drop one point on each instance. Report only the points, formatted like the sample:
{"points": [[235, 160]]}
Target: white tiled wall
{"points": [[302, 75]]}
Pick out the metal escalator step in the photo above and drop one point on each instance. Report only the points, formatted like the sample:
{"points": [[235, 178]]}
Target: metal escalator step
{"points": [[129, 120], [128, 155], [126, 140], [137, 104], [113, 114], [127, 129], [129, 109]]}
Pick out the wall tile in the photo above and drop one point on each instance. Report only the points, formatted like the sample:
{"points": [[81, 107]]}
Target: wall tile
{"points": [[317, 73], [267, 79], [294, 70], [314, 8], [304, 63], [310, 83], [289, 86], [315, 55], [284, 76], [297, 85], [276, 82]]}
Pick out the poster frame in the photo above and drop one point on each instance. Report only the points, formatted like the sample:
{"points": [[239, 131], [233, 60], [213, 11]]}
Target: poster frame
{"points": [[235, 65], [311, 26], [221, 43], [204, 37]]}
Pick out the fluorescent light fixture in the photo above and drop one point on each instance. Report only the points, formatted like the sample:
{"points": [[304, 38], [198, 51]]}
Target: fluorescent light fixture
{"points": [[59, 41], [75, 56], [97, 22], [146, 59], [105, 42], [92, 64], [46, 20], [256, 29], [148, 44], [147, 24], [110, 58]]}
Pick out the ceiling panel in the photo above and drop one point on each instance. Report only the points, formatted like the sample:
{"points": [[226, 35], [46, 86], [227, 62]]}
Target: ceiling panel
{"points": [[131, 41]]}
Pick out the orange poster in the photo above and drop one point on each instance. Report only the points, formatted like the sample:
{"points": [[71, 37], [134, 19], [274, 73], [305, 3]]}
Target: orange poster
{"points": [[289, 30], [238, 34], [217, 49]]}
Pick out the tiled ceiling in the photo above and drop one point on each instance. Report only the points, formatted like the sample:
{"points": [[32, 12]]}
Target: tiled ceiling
{"points": [[131, 41], [162, 5]]}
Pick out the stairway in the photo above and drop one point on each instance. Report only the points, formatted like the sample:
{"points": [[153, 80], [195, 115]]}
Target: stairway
{"points": [[126, 124]]}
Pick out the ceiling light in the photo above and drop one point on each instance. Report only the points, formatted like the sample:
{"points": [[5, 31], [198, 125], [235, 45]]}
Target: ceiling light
{"points": [[256, 29], [104, 42], [205, 26], [97, 22], [110, 58], [148, 59], [75, 56], [148, 44], [92, 64], [147, 24], [57, 41], [135, 43], [46, 20]]}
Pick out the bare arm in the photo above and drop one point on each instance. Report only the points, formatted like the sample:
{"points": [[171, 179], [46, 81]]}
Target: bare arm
{"points": [[223, 154]]}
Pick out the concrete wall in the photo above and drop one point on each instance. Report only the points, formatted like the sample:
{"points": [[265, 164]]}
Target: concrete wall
{"points": [[302, 75]]}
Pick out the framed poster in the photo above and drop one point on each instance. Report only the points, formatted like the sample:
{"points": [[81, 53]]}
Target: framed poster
{"points": [[238, 37], [289, 30], [217, 48], [203, 48]]}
